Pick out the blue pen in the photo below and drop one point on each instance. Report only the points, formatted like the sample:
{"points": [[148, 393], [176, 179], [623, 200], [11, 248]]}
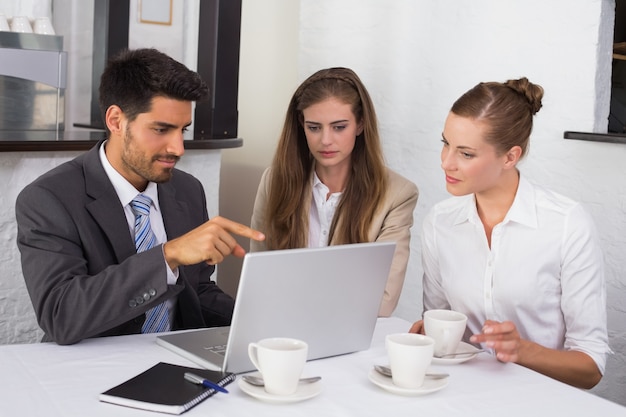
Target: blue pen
{"points": [[204, 382]]}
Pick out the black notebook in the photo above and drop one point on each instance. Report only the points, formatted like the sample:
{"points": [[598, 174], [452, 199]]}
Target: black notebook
{"points": [[164, 388]]}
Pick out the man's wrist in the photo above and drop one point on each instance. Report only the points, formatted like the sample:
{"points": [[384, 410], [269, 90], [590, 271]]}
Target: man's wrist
{"points": [[169, 256]]}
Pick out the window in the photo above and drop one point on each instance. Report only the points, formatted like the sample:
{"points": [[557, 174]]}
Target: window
{"points": [[617, 115], [218, 61]]}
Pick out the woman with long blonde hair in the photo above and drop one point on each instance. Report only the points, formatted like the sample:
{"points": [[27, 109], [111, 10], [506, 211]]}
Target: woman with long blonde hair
{"points": [[328, 183]]}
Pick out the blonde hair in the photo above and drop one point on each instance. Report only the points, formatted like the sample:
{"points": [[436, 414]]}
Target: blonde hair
{"points": [[285, 214]]}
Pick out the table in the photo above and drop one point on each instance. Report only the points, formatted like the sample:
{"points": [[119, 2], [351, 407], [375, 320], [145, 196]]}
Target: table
{"points": [[45, 379]]}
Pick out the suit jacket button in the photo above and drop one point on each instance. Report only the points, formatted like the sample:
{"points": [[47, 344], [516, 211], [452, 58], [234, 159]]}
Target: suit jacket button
{"points": [[146, 296], [139, 300], [152, 292], [132, 303]]}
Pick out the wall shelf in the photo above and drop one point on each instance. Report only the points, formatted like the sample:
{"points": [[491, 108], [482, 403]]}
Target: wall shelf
{"points": [[39, 141], [596, 137]]}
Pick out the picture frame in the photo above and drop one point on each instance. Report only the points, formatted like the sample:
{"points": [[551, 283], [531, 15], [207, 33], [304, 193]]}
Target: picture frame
{"points": [[157, 12]]}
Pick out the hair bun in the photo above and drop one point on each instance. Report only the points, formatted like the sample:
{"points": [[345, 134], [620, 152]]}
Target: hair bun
{"points": [[533, 93]]}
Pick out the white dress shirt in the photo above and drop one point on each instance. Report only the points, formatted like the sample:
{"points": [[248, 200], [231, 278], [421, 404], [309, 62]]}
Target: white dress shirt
{"points": [[126, 192], [544, 270], [321, 213]]}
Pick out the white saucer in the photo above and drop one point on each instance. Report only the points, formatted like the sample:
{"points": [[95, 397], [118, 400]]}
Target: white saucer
{"points": [[465, 352], [385, 382], [304, 392]]}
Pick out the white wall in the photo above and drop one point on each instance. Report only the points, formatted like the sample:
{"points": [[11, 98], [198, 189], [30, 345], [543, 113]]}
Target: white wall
{"points": [[417, 57]]}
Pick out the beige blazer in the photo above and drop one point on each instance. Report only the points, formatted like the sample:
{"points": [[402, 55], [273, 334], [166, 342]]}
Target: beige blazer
{"points": [[392, 222]]}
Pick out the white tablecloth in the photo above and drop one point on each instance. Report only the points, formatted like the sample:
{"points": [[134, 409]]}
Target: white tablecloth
{"points": [[48, 380]]}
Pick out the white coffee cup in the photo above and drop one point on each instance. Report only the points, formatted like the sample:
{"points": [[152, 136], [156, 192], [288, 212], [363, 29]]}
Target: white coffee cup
{"points": [[280, 361], [21, 24], [43, 26], [4, 24], [410, 355], [447, 328]]}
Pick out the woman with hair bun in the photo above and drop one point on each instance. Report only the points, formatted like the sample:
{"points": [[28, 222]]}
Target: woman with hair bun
{"points": [[523, 263], [328, 183]]}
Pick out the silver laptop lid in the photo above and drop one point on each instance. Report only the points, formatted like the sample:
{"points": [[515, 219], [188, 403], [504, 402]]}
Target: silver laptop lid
{"points": [[329, 297]]}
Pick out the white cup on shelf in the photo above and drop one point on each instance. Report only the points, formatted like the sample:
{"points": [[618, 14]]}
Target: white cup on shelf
{"points": [[4, 24], [43, 26], [21, 24]]}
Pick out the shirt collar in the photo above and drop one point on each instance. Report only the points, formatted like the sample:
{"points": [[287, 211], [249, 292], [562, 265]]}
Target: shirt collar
{"points": [[124, 189], [522, 210], [320, 189], [469, 212], [316, 181]]}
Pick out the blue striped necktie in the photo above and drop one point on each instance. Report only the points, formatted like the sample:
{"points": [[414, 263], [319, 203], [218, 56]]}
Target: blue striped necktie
{"points": [[157, 318]]}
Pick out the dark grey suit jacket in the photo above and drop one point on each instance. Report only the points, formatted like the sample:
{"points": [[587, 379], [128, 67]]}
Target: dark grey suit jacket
{"points": [[79, 261]]}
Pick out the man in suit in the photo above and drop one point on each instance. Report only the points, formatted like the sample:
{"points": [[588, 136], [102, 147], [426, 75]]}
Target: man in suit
{"points": [[84, 271]]}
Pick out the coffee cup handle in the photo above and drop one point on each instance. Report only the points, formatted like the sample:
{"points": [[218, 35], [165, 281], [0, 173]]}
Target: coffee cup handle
{"points": [[252, 354]]}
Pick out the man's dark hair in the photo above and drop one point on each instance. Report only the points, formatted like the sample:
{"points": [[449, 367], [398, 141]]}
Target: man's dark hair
{"points": [[132, 78]]}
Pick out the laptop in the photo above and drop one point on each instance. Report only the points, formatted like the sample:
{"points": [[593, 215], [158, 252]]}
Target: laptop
{"points": [[329, 297]]}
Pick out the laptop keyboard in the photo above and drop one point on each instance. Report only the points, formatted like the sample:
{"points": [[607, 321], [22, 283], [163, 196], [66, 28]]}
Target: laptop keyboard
{"points": [[219, 349]]}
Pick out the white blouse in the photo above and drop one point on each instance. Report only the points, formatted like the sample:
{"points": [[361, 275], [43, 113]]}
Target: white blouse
{"points": [[544, 270], [321, 213]]}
